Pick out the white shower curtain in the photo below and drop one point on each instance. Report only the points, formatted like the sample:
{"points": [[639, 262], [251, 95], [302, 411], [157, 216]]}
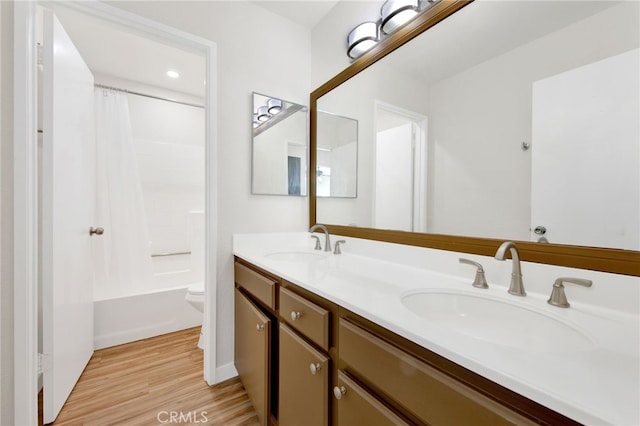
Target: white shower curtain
{"points": [[124, 266]]}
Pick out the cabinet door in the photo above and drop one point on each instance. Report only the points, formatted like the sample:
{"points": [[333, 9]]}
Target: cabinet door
{"points": [[252, 353], [357, 407], [304, 382]]}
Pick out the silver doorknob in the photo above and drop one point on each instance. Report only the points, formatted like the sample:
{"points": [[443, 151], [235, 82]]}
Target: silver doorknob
{"points": [[259, 327], [295, 315], [339, 391], [97, 231], [314, 368]]}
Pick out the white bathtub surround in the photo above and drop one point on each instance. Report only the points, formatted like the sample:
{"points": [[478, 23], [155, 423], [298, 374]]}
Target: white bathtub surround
{"points": [[196, 242], [595, 384], [126, 319]]}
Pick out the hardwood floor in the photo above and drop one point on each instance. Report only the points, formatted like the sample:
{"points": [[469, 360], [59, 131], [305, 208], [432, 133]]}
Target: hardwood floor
{"points": [[155, 381]]}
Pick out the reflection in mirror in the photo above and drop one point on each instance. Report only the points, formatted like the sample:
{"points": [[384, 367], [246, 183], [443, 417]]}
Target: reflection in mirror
{"points": [[279, 147], [533, 131], [337, 156]]}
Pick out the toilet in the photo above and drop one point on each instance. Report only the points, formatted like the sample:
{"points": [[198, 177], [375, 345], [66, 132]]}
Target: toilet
{"points": [[195, 297]]}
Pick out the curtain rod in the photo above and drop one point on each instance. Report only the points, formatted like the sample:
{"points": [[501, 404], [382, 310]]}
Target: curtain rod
{"points": [[131, 92]]}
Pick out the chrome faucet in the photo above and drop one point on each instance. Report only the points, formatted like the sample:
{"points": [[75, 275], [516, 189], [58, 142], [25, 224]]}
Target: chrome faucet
{"points": [[558, 297], [480, 281], [327, 240], [516, 287]]}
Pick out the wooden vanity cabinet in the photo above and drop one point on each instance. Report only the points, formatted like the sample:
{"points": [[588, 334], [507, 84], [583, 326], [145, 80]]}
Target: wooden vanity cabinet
{"points": [[307, 361], [427, 394], [306, 352], [256, 338], [252, 351], [358, 407], [426, 388]]}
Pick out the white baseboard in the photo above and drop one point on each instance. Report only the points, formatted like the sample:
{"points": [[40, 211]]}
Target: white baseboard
{"points": [[226, 372]]}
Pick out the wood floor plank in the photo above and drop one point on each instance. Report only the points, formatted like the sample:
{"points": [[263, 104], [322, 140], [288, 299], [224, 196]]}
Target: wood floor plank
{"points": [[154, 381]]}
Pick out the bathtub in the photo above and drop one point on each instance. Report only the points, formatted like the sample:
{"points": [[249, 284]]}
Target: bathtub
{"points": [[131, 317]]}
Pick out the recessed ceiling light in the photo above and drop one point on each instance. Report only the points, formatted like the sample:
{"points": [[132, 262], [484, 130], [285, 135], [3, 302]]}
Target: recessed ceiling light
{"points": [[173, 74]]}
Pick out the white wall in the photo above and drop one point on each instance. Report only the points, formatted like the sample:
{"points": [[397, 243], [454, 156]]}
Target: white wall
{"points": [[280, 67], [6, 214], [495, 178], [329, 37]]}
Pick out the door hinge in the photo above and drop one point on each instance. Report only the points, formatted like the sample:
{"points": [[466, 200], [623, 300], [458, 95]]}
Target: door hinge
{"points": [[44, 363], [40, 54]]}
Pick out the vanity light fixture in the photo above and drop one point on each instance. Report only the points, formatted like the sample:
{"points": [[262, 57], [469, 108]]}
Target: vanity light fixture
{"points": [[263, 113], [362, 38], [274, 106], [173, 74], [396, 13]]}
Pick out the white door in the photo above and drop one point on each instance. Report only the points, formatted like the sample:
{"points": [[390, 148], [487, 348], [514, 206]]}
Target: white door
{"points": [[394, 171], [584, 121], [68, 184]]}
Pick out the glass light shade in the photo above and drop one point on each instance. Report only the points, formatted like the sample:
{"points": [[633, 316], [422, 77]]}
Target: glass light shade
{"points": [[396, 13], [263, 113], [256, 123], [362, 38], [274, 106]]}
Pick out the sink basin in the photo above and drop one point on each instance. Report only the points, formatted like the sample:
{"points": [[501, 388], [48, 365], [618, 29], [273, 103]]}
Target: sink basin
{"points": [[497, 321], [295, 256]]}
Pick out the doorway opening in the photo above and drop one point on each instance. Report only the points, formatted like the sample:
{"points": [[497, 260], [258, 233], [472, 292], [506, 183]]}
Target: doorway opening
{"points": [[400, 171], [190, 240]]}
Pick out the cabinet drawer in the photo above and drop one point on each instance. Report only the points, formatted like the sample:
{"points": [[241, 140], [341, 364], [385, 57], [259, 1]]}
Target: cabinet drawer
{"points": [[357, 407], [425, 392], [261, 287], [304, 382], [306, 317]]}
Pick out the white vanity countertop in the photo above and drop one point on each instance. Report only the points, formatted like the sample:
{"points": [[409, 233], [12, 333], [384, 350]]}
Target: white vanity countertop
{"points": [[595, 385]]}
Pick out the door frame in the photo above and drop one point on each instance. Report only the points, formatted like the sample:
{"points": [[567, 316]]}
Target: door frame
{"points": [[25, 184]]}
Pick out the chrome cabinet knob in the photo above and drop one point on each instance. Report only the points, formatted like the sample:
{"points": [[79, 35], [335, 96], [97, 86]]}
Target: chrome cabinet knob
{"points": [[314, 368], [295, 315], [339, 391], [97, 231], [259, 327]]}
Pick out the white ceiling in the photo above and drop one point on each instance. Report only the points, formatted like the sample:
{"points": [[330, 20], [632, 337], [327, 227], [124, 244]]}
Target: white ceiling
{"points": [[117, 52], [304, 12], [113, 51]]}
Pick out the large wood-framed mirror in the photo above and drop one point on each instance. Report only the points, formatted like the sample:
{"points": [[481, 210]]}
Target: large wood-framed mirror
{"points": [[481, 55]]}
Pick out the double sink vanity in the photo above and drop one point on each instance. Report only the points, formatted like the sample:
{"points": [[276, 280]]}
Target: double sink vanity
{"points": [[476, 124], [391, 334]]}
